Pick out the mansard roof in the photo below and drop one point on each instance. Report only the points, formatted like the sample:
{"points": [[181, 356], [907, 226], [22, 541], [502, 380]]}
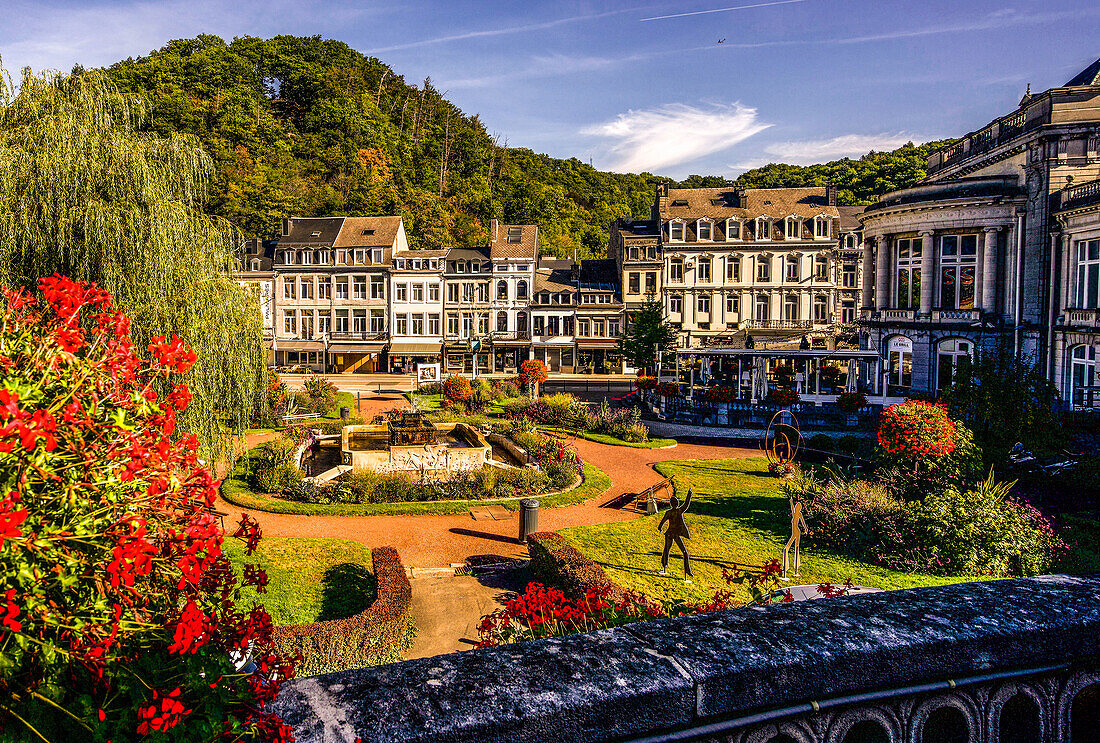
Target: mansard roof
{"points": [[312, 232], [513, 240], [554, 281], [723, 203], [849, 217], [368, 232], [1088, 76]]}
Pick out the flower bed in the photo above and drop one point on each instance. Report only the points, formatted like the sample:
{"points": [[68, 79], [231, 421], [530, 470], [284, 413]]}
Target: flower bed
{"points": [[380, 634], [555, 561]]}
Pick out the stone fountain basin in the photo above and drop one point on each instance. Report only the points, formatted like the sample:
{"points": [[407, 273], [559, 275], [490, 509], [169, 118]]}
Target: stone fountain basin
{"points": [[456, 446]]}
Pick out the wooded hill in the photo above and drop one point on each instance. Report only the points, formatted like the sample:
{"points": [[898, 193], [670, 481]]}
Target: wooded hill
{"points": [[309, 127]]}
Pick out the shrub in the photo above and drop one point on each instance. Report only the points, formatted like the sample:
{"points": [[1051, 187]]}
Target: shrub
{"points": [[783, 397], [916, 428], [554, 560], [320, 394], [926, 450], [457, 388], [635, 434], [337, 425], [532, 371], [559, 408], [983, 531], [118, 603], [850, 445], [851, 515], [851, 402], [821, 442], [379, 634], [646, 383], [505, 389]]}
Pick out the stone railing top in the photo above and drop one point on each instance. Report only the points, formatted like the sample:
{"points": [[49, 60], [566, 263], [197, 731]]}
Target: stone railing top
{"points": [[667, 674]]}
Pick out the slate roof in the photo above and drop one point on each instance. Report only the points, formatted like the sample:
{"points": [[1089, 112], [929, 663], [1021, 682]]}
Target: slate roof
{"points": [[369, 232], [599, 271], [640, 228], [849, 217], [722, 203], [312, 232], [1088, 76], [513, 240], [554, 281]]}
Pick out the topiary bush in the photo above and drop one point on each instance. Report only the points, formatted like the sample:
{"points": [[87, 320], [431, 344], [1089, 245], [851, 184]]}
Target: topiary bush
{"points": [[117, 601]]}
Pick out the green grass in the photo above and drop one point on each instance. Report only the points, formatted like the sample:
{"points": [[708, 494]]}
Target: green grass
{"points": [[309, 580], [738, 515], [236, 490], [343, 400], [603, 438]]}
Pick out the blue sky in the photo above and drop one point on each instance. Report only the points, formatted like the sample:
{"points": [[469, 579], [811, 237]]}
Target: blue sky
{"points": [[645, 85]]}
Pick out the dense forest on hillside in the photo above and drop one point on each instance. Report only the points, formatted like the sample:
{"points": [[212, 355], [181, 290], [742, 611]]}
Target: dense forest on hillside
{"points": [[309, 127]]}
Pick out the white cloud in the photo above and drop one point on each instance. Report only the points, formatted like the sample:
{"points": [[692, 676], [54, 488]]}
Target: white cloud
{"points": [[846, 145], [722, 10], [674, 134]]}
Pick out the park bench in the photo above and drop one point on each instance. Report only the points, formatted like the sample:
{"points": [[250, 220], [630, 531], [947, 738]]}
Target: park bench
{"points": [[661, 492]]}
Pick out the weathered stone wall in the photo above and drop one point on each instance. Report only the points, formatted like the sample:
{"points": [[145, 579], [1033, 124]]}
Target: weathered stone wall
{"points": [[808, 672]]}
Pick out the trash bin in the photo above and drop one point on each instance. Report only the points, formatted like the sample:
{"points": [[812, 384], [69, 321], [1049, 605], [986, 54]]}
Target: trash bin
{"points": [[345, 412], [528, 518]]}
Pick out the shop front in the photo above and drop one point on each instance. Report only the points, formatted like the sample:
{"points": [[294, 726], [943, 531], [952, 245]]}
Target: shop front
{"points": [[557, 358], [599, 357], [403, 357]]}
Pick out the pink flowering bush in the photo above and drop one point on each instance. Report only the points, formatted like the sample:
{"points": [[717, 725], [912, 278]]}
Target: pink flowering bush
{"points": [[118, 612]]}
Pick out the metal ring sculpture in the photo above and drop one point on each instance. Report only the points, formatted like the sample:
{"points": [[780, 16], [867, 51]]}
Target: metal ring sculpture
{"points": [[783, 438]]}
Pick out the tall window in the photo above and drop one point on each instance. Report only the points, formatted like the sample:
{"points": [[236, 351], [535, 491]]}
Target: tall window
{"points": [[377, 321], [418, 292], [790, 307], [634, 283], [952, 359], [676, 231], [377, 287], [324, 288], [521, 322], [821, 308], [848, 311], [402, 324], [324, 323], [763, 268], [650, 282], [900, 367], [1088, 275], [452, 323], [909, 278], [502, 290], [1083, 376], [704, 270], [675, 304], [792, 228], [288, 288], [821, 227], [307, 288], [401, 292], [763, 307], [676, 270], [821, 266], [433, 292], [307, 325], [733, 268], [341, 321], [763, 228], [359, 321], [452, 293], [704, 304], [792, 268], [958, 258], [502, 322], [521, 290], [418, 323], [704, 230], [733, 303], [290, 322], [848, 275], [733, 229]]}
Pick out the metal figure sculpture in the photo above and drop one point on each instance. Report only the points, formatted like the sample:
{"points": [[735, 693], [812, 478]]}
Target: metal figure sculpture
{"points": [[676, 534], [798, 528]]}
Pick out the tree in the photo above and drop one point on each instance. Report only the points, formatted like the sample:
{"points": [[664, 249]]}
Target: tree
{"points": [[645, 334], [86, 191]]}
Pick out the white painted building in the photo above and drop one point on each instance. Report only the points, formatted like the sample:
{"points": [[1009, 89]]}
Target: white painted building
{"points": [[416, 308]]}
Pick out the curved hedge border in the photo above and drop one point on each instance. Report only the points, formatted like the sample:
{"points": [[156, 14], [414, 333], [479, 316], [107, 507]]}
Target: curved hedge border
{"points": [[378, 634], [236, 490], [555, 561]]}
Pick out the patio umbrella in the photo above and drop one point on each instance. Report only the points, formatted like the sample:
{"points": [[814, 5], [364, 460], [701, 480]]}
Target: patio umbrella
{"points": [[759, 379], [852, 384]]}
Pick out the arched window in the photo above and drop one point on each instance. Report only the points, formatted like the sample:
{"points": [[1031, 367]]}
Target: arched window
{"points": [[676, 231], [792, 228], [502, 290], [792, 262], [867, 731], [790, 307], [1083, 714], [502, 322], [1082, 375], [953, 357], [945, 725], [1019, 720], [900, 365], [521, 289]]}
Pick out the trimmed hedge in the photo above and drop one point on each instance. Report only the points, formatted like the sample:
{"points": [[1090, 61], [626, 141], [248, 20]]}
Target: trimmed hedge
{"points": [[379, 634], [555, 561]]}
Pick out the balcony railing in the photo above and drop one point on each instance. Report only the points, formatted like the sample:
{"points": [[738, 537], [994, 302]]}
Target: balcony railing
{"points": [[1083, 318], [998, 132], [902, 315], [1080, 195], [956, 315], [778, 324], [361, 335]]}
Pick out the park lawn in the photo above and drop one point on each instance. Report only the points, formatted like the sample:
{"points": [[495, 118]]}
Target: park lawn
{"points": [[309, 580], [738, 516], [343, 400], [603, 438]]}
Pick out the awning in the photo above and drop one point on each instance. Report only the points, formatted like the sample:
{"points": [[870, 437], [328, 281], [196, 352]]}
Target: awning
{"points": [[415, 349], [353, 346], [299, 345], [610, 344]]}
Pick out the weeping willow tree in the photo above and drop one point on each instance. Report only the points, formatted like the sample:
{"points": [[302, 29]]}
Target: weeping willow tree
{"points": [[87, 191]]}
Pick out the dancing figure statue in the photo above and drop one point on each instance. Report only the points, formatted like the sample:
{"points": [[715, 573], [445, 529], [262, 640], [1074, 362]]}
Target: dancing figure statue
{"points": [[798, 528], [677, 532]]}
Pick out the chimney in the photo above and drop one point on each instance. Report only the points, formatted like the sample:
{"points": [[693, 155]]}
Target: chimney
{"points": [[493, 228], [830, 195], [286, 227], [740, 197]]}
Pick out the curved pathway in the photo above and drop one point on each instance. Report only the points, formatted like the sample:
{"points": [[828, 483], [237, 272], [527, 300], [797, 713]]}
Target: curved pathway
{"points": [[432, 541]]}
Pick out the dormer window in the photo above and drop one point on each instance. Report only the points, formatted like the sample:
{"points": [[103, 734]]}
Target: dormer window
{"points": [[821, 227], [733, 229], [763, 228], [315, 234], [676, 231], [255, 265], [704, 230], [793, 228], [376, 256], [307, 257]]}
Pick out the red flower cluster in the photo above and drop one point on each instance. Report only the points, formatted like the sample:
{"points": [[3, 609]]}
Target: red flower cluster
{"points": [[163, 713], [783, 397], [917, 428], [646, 383], [532, 371]]}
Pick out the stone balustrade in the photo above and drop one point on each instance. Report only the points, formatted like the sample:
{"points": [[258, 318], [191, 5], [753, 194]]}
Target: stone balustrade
{"points": [[1013, 660]]}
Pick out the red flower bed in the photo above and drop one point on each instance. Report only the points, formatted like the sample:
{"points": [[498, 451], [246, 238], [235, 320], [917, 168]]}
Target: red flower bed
{"points": [[378, 634], [118, 600], [668, 389], [645, 383], [915, 427], [721, 394], [851, 402], [783, 397]]}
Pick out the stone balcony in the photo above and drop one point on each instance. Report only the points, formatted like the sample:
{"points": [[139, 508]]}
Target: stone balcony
{"points": [[959, 662], [1081, 319], [951, 316]]}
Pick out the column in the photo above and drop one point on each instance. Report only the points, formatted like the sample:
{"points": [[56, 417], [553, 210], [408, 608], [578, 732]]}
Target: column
{"points": [[989, 270], [1064, 283], [882, 269], [867, 281], [927, 272]]}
